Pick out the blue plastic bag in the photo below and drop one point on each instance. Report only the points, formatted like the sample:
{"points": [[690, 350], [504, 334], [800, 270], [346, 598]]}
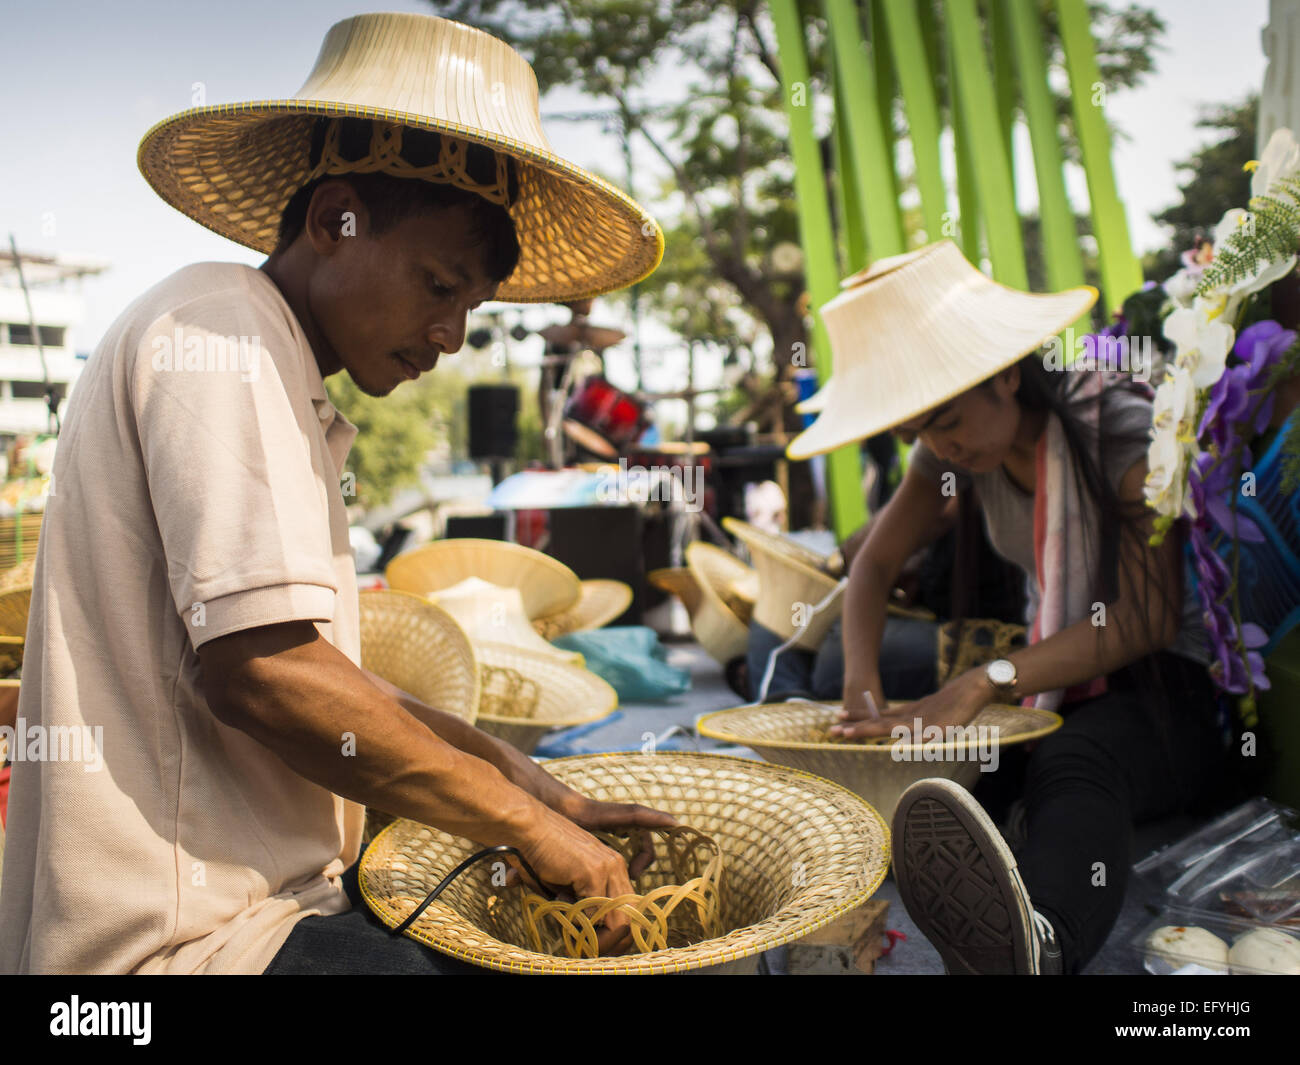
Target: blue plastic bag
{"points": [[630, 658]]}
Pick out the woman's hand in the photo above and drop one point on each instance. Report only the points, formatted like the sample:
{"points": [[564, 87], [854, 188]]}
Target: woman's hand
{"points": [[956, 703]]}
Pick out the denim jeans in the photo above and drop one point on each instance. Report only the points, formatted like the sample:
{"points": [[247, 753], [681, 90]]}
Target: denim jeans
{"points": [[357, 943], [907, 657]]}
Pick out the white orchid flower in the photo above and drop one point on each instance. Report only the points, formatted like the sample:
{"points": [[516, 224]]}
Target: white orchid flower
{"points": [[1202, 339], [1281, 159], [1166, 475], [1181, 288]]}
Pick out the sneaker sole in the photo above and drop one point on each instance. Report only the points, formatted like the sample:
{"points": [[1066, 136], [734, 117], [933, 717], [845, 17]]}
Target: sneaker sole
{"points": [[959, 882]]}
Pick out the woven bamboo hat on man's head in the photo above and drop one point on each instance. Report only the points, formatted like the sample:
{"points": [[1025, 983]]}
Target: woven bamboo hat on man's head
{"points": [[446, 103], [916, 330]]}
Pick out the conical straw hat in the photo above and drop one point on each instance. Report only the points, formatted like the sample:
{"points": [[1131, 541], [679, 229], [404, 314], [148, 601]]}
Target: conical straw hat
{"points": [[419, 647], [915, 330], [525, 694], [789, 574], [798, 734], [797, 853], [546, 585], [678, 581], [721, 631], [234, 167], [601, 602], [490, 613]]}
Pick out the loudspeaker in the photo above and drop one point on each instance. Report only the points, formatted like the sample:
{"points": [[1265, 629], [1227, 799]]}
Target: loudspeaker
{"points": [[493, 414], [604, 542], [476, 527]]}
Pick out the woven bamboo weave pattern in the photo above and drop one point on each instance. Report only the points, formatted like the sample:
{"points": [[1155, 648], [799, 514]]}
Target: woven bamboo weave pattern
{"points": [[798, 851], [417, 646], [507, 693], [979, 641], [677, 913]]}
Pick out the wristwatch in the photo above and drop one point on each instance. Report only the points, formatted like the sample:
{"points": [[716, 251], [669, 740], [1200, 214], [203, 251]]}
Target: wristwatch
{"points": [[1001, 673]]}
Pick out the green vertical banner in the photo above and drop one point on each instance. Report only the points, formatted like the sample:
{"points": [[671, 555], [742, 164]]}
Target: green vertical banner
{"points": [[1004, 78], [1121, 272], [916, 79], [843, 467], [968, 204], [853, 235], [1060, 241], [866, 138], [978, 115]]}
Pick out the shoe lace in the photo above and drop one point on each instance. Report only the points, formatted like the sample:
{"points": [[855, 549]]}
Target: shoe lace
{"points": [[1044, 928]]}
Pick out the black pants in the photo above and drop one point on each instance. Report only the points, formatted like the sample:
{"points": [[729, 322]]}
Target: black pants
{"points": [[357, 943], [1120, 759]]}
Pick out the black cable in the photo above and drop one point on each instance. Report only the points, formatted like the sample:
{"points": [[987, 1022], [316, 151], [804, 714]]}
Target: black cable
{"points": [[446, 882]]}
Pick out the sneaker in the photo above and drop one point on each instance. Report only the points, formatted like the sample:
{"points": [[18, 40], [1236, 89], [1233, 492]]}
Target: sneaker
{"points": [[959, 883]]}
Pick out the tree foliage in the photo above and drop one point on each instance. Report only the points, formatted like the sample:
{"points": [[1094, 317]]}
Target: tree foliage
{"points": [[1218, 182], [722, 138]]}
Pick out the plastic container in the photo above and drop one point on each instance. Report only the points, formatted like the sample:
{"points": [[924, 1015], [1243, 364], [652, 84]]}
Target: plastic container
{"points": [[1190, 960]]}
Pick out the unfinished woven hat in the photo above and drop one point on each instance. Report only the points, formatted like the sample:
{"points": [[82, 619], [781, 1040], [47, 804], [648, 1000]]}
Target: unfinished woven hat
{"points": [[600, 603], [913, 331], [797, 852], [419, 647], [792, 580], [490, 613], [720, 622], [446, 103], [546, 585], [524, 695], [797, 734]]}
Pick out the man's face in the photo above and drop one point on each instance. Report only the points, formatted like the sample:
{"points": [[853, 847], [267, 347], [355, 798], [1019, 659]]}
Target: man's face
{"points": [[388, 306]]}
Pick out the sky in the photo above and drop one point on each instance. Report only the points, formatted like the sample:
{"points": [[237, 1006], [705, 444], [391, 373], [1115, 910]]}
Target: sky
{"points": [[83, 82]]}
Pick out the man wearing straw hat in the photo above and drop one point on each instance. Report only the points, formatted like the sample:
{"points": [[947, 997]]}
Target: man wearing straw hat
{"points": [[928, 346], [195, 596]]}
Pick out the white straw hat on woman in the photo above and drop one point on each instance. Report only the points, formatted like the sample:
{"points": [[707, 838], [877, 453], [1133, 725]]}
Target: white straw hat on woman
{"points": [[913, 331], [234, 167]]}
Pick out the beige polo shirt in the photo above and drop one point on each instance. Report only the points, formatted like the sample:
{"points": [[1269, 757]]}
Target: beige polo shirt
{"points": [[196, 493]]}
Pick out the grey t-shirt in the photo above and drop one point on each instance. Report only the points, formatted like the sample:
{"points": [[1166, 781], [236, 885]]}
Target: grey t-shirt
{"points": [[1009, 510]]}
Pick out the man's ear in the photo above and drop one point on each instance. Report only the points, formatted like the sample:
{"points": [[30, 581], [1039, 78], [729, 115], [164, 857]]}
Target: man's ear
{"points": [[334, 214]]}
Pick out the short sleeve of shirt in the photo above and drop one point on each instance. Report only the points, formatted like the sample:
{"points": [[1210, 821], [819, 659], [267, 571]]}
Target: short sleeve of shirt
{"points": [[1126, 428], [226, 426]]}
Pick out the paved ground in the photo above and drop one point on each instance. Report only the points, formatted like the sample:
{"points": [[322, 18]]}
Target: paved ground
{"points": [[627, 729]]}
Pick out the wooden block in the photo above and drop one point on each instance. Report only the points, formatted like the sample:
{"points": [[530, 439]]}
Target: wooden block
{"points": [[849, 945]]}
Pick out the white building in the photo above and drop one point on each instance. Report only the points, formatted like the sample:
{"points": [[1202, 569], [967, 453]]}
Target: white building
{"points": [[53, 283]]}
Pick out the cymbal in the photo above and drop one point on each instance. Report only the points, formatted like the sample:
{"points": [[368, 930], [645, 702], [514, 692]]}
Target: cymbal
{"points": [[595, 337]]}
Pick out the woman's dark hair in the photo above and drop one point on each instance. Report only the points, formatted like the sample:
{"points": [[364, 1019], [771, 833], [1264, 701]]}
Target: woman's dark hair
{"points": [[389, 199], [1119, 525]]}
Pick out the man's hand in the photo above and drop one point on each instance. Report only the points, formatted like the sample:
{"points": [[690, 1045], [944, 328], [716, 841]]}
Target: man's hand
{"points": [[565, 855], [956, 703]]}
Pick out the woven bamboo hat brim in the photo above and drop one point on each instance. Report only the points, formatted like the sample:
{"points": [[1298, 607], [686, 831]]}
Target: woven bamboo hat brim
{"points": [[797, 852], [601, 602], [543, 693], [233, 167], [788, 574], [720, 629], [798, 734], [490, 613], [546, 585], [419, 647], [678, 581], [913, 331]]}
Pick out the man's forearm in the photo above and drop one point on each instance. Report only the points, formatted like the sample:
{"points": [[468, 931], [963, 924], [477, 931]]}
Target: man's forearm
{"points": [[324, 718], [866, 599], [512, 763]]}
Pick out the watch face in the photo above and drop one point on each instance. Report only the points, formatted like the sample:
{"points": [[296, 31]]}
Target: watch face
{"points": [[1002, 672]]}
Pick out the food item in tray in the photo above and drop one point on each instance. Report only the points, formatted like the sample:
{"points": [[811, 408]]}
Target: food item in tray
{"points": [[1181, 945], [1266, 950], [1276, 906]]}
